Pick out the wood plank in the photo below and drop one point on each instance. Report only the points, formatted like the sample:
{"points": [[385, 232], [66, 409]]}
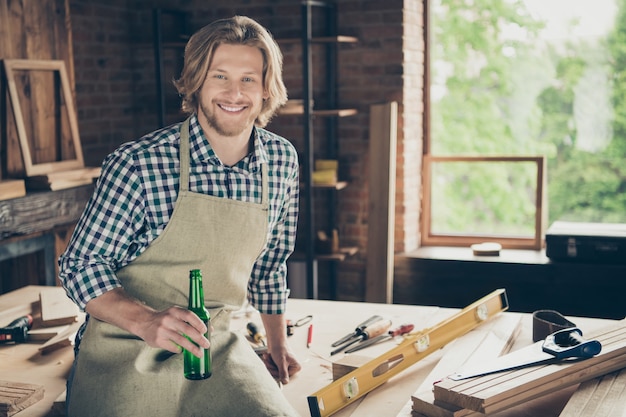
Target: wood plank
{"points": [[604, 396], [56, 308], [492, 393], [382, 193], [43, 334], [348, 364], [65, 338], [16, 396], [483, 343], [23, 301]]}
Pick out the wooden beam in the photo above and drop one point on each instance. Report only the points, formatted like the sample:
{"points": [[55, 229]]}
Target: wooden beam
{"points": [[496, 392], [381, 212]]}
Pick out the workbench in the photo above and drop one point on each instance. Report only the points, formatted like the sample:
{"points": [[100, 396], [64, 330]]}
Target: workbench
{"points": [[331, 320]]}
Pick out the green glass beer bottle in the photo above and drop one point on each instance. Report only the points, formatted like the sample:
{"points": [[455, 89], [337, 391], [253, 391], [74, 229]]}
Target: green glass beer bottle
{"points": [[198, 368]]}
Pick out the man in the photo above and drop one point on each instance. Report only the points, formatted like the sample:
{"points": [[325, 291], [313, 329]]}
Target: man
{"points": [[217, 193]]}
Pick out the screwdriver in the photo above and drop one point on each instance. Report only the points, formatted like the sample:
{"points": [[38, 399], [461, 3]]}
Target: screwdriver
{"points": [[358, 331], [372, 331], [255, 334], [404, 329]]}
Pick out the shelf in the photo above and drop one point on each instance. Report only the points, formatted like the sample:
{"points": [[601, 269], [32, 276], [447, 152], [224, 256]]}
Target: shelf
{"points": [[340, 256], [335, 112], [336, 186], [298, 110], [323, 39], [312, 121]]}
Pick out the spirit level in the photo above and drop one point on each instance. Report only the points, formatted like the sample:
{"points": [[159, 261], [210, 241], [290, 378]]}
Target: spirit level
{"points": [[416, 346]]}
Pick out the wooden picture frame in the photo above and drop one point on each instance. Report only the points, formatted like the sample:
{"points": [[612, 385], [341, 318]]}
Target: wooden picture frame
{"points": [[66, 101], [535, 242]]}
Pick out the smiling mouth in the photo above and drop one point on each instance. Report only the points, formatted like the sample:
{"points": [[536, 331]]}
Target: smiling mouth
{"points": [[232, 109]]}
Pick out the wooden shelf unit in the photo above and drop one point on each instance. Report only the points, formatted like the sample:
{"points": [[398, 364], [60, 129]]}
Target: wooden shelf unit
{"points": [[329, 116]]}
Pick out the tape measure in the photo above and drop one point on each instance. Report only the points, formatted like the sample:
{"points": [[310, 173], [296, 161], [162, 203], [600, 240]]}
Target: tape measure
{"points": [[416, 346]]}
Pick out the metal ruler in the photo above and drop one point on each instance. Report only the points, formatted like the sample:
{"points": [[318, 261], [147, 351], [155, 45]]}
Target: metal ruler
{"points": [[416, 346]]}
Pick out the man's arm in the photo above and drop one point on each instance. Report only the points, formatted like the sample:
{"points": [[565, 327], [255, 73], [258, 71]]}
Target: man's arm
{"points": [[280, 361], [161, 329]]}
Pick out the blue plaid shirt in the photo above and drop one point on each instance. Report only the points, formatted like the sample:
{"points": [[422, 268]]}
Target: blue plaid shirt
{"points": [[135, 198]]}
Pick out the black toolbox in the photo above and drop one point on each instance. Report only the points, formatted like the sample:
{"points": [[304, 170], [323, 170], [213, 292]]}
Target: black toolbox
{"points": [[586, 242]]}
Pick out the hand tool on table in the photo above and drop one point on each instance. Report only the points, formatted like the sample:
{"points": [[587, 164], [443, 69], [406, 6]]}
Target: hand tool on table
{"points": [[373, 330], [358, 331], [255, 334], [298, 323], [566, 344], [404, 329], [17, 330]]}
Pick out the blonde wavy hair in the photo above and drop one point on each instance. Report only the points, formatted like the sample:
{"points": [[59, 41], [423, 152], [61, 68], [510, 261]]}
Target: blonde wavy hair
{"points": [[237, 30]]}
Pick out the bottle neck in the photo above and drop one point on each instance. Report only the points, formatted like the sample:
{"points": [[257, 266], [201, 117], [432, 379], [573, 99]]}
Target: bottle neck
{"points": [[196, 293]]}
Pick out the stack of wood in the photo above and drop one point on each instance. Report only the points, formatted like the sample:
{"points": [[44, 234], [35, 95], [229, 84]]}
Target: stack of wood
{"points": [[56, 320], [494, 393]]}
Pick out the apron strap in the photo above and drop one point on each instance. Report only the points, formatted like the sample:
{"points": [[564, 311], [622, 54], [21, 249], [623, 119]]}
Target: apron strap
{"points": [[184, 156]]}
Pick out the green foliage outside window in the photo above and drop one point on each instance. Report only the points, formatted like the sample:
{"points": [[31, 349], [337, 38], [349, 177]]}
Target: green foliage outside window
{"points": [[499, 87]]}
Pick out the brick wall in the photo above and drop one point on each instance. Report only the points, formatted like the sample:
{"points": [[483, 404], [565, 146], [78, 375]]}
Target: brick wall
{"points": [[115, 80]]}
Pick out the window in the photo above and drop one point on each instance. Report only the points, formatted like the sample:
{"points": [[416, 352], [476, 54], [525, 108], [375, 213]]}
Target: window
{"points": [[531, 78]]}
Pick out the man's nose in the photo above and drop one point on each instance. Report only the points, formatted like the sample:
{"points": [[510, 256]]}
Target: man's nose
{"points": [[234, 89]]}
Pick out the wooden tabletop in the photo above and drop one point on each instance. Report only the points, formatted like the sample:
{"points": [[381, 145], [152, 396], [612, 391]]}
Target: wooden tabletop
{"points": [[331, 320]]}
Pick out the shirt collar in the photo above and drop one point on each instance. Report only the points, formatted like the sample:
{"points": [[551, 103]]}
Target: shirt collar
{"points": [[201, 149]]}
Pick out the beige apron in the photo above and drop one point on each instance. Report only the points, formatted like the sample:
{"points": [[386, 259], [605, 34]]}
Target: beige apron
{"points": [[118, 374]]}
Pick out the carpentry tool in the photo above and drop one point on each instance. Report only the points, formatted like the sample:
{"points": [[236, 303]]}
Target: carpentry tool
{"points": [[373, 330], [300, 322], [17, 330], [561, 345], [416, 346], [402, 330], [255, 334], [357, 332]]}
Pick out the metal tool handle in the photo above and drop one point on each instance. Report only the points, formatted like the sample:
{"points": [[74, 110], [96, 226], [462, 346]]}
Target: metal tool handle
{"points": [[569, 343], [359, 330]]}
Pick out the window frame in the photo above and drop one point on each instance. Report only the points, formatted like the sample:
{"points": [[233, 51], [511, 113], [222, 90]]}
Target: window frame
{"points": [[461, 239]]}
